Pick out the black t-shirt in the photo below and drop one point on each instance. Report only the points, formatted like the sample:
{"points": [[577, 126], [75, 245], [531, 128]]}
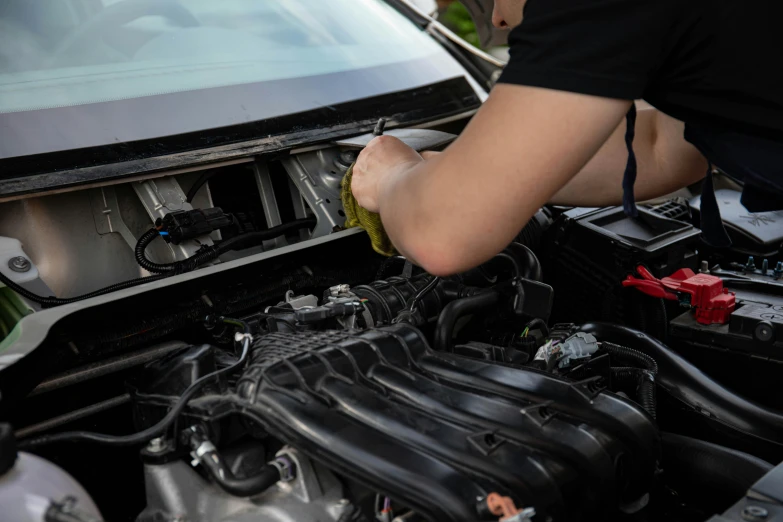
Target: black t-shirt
{"points": [[715, 64]]}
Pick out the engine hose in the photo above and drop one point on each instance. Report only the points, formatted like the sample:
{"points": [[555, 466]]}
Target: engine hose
{"points": [[444, 329], [209, 253], [268, 476], [644, 384], [49, 302], [156, 430], [742, 423], [531, 266], [717, 472], [524, 262], [539, 324]]}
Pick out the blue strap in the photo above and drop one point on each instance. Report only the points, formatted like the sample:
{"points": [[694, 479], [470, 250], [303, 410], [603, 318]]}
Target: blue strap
{"points": [[629, 177]]}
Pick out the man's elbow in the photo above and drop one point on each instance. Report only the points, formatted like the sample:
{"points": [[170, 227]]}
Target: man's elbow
{"points": [[440, 258]]}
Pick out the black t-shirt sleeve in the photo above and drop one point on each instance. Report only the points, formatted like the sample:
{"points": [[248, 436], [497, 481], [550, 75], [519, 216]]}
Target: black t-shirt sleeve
{"points": [[608, 48]]}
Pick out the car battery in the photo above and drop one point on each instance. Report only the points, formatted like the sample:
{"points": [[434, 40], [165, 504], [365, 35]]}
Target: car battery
{"points": [[749, 344]]}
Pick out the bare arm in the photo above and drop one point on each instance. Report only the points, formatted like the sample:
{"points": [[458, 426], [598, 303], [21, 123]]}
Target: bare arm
{"points": [[457, 209], [666, 162]]}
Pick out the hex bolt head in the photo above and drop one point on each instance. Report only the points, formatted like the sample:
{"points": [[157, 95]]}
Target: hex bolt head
{"points": [[19, 264], [156, 445], [754, 513]]}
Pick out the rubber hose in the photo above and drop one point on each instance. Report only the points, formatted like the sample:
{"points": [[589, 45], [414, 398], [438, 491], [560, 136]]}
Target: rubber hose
{"points": [[267, 477], [540, 324], [531, 266], [444, 329], [716, 471], [200, 182], [210, 253], [760, 427], [49, 302]]}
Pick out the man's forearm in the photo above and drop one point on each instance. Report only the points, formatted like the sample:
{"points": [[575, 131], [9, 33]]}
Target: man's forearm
{"points": [[456, 210]]}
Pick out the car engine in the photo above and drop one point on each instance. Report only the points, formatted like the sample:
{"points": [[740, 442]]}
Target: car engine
{"points": [[600, 368]]}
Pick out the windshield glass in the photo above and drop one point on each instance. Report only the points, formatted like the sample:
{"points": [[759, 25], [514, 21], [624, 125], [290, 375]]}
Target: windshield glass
{"points": [[108, 71]]}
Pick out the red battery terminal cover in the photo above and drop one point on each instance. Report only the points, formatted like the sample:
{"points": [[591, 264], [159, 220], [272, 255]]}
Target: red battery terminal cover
{"points": [[704, 293]]}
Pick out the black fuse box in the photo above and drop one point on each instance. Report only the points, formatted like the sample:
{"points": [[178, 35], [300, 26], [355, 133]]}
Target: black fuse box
{"points": [[592, 251]]}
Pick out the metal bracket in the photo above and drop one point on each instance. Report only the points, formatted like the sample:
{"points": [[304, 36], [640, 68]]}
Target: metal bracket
{"points": [[106, 214], [269, 202], [318, 182], [306, 485], [161, 196]]}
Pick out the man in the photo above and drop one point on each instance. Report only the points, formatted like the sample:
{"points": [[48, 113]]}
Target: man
{"points": [[555, 128]]}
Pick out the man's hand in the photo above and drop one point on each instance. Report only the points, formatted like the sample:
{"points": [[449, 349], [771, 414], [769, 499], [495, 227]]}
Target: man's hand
{"points": [[382, 159]]}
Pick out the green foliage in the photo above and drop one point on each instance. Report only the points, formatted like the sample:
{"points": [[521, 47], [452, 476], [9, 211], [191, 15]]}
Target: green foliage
{"points": [[457, 18]]}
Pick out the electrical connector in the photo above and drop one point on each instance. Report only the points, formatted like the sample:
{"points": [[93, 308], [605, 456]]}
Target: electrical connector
{"points": [[181, 225]]}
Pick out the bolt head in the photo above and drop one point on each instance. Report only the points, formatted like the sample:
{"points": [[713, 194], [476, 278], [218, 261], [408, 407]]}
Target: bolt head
{"points": [[157, 445], [754, 513], [19, 264]]}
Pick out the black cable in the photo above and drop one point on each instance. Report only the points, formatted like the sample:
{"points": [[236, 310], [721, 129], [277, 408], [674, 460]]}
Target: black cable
{"points": [[540, 324], [644, 385], [209, 253], [162, 425], [646, 375], [421, 294], [629, 354], [141, 255], [48, 302], [193, 190]]}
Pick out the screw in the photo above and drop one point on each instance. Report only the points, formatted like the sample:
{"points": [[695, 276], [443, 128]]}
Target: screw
{"points": [[379, 128], [751, 264], [19, 264], [156, 445], [779, 269], [764, 266], [705, 267], [754, 513]]}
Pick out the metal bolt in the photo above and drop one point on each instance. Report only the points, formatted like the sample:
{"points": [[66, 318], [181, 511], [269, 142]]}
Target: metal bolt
{"points": [[754, 513], [705, 267], [156, 445], [19, 264], [764, 266], [751, 264], [348, 157], [779, 269]]}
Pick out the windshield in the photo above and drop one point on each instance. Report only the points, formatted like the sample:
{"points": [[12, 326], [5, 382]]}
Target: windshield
{"points": [[77, 73]]}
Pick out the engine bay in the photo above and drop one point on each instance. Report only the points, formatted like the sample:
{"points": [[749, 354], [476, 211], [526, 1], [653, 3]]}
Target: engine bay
{"points": [[264, 364]]}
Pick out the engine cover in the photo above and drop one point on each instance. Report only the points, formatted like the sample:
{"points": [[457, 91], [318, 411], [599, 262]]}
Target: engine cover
{"points": [[439, 432]]}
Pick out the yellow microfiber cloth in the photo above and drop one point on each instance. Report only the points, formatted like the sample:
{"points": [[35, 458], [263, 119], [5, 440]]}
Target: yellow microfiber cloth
{"points": [[357, 216]]}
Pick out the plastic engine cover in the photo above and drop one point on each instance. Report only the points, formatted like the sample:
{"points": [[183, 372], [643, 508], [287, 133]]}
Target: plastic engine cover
{"points": [[438, 432]]}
